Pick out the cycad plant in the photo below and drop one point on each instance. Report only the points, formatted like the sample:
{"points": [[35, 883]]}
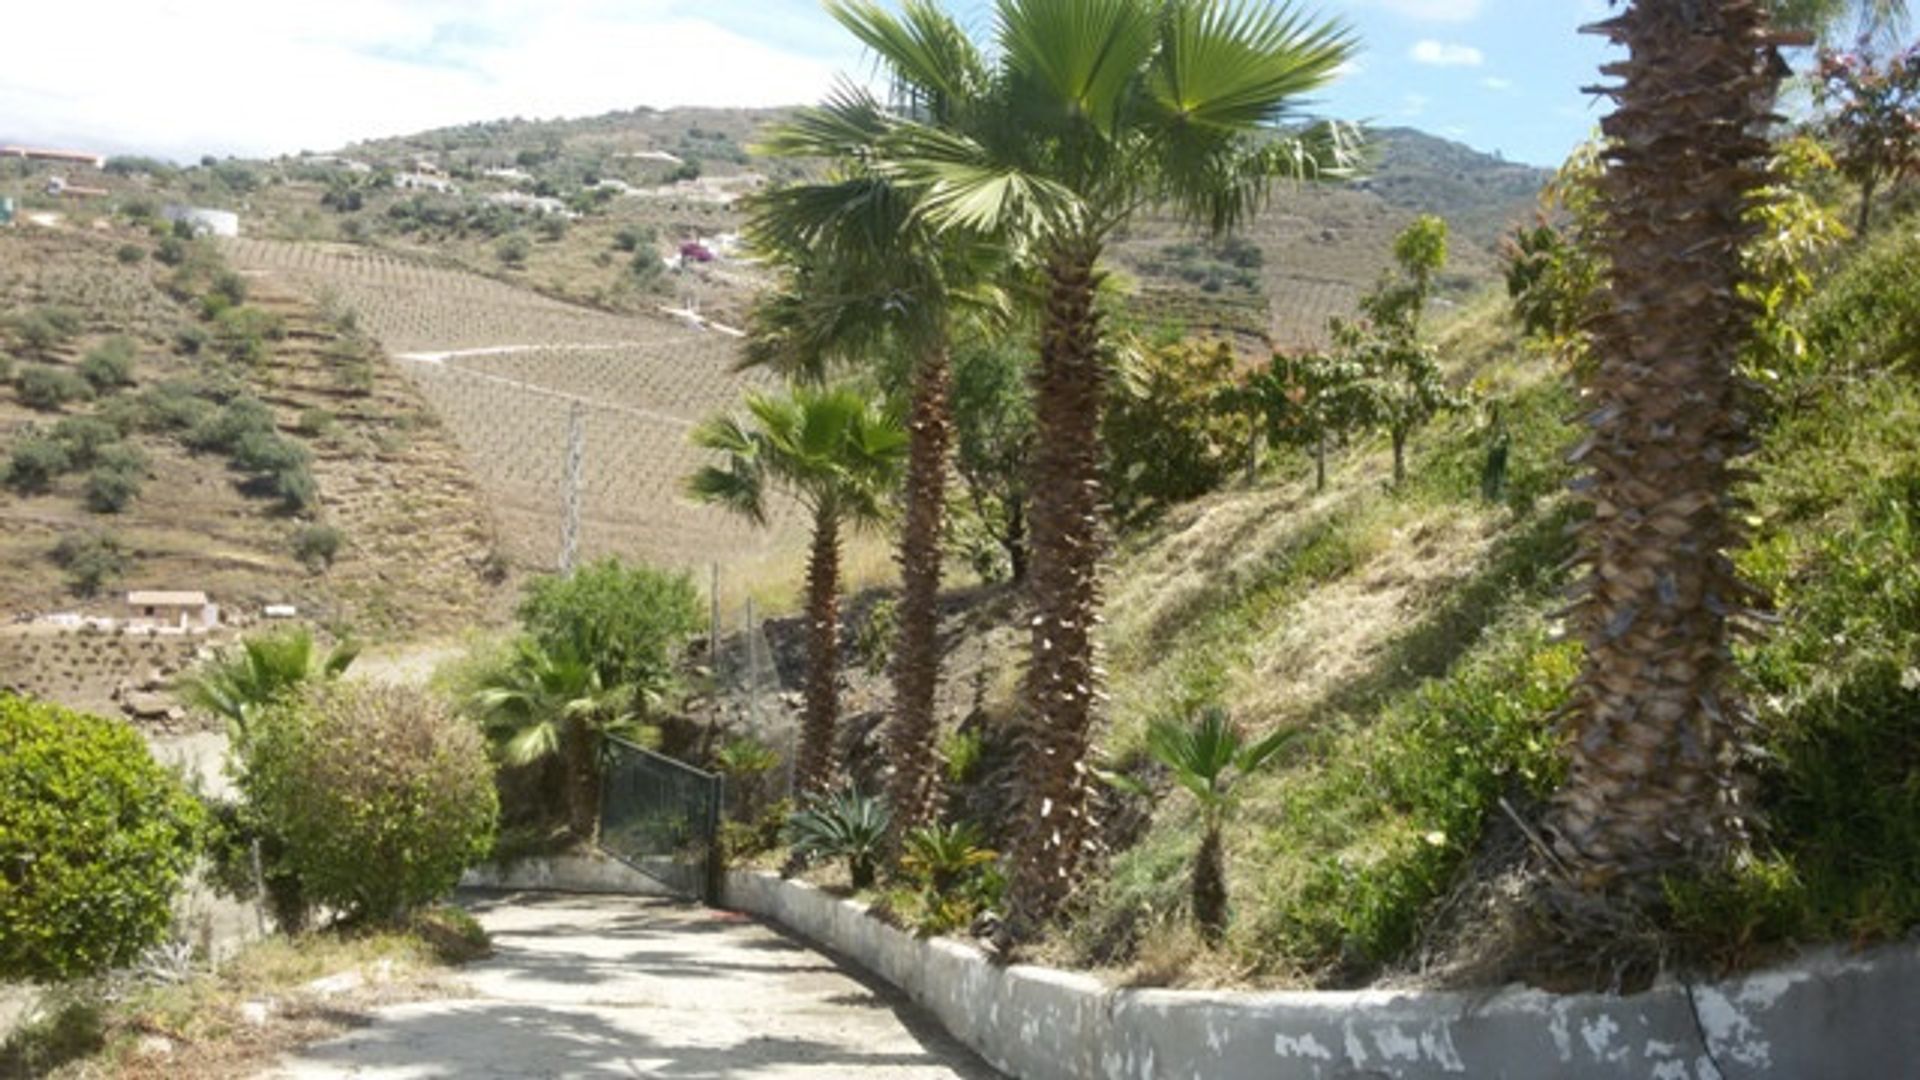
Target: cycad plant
{"points": [[543, 703], [839, 455], [1088, 112], [245, 678], [1207, 754]]}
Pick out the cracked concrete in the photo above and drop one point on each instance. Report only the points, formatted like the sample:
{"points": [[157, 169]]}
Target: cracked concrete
{"points": [[584, 986]]}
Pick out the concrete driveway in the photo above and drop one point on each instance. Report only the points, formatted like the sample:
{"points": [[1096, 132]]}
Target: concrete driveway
{"points": [[588, 986]]}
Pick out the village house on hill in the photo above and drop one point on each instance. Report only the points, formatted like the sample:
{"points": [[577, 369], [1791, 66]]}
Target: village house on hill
{"points": [[162, 610]]}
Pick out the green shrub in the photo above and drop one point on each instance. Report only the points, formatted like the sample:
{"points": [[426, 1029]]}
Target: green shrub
{"points": [[110, 365], [43, 330], [267, 452], [90, 560], [169, 406], [633, 621], [316, 545], [116, 479], [843, 825], [315, 423], [172, 251], [241, 334], [237, 419], [129, 254], [381, 795], [1172, 430], [35, 463], [94, 837], [47, 388], [956, 875], [296, 489], [635, 237], [513, 251], [85, 438]]}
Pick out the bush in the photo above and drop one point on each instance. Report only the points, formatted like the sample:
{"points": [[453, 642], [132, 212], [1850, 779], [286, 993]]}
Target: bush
{"points": [[241, 334], [116, 479], [635, 237], [315, 423], [381, 795], [129, 254], [85, 438], [316, 545], [110, 366], [165, 407], [633, 620], [90, 560], [35, 463], [513, 251], [48, 388], [236, 420], [94, 837], [43, 330], [1172, 429]]}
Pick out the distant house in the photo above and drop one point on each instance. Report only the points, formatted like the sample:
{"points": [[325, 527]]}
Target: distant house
{"points": [[205, 222], [518, 176], [520, 200], [417, 181], [653, 155], [58, 188], [70, 157], [161, 610]]}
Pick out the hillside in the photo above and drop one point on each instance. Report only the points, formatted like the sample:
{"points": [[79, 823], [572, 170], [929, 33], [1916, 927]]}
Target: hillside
{"points": [[639, 184], [392, 540]]}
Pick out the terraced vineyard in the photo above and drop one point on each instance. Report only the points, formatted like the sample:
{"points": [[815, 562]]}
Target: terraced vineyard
{"points": [[506, 369]]}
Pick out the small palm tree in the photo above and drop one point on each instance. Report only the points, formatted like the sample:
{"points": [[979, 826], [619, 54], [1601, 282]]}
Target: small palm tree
{"points": [[1208, 755], [246, 678], [840, 456], [543, 703]]}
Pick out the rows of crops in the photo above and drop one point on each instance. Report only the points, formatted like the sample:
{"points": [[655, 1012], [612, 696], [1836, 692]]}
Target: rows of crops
{"points": [[642, 384]]}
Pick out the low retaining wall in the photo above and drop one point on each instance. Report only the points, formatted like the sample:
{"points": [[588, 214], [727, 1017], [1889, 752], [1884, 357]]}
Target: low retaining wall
{"points": [[564, 873], [1828, 1015]]}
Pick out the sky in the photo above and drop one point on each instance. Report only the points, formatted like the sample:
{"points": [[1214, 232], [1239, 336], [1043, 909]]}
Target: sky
{"points": [[184, 78]]}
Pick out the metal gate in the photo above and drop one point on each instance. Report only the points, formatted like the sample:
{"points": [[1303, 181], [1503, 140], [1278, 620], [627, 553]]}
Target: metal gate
{"points": [[662, 817]]}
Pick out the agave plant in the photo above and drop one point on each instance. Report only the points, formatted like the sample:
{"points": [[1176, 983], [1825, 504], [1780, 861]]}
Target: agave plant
{"points": [[1207, 753], [842, 825]]}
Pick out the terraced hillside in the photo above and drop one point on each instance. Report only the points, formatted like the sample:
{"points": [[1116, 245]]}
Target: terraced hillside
{"points": [[507, 370], [415, 543]]}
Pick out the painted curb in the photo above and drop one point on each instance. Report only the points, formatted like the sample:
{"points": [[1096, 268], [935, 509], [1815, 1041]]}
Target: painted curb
{"points": [[1830, 1014]]}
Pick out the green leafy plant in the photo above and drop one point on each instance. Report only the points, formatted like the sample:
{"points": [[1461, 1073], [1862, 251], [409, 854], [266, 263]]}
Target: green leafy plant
{"points": [[842, 824], [91, 560], [381, 795], [1207, 754], [962, 751], [956, 871], [94, 838], [35, 462], [243, 680], [1172, 432], [118, 474], [316, 546], [47, 388], [544, 703], [110, 365]]}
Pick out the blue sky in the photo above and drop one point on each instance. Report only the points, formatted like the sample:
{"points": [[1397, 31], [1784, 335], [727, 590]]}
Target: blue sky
{"points": [[185, 77]]}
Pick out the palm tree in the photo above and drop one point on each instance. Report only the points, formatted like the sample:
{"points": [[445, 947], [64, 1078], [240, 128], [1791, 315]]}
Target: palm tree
{"points": [[1654, 727], [1832, 19], [839, 455], [544, 703], [1091, 111], [1198, 751], [863, 274], [242, 680]]}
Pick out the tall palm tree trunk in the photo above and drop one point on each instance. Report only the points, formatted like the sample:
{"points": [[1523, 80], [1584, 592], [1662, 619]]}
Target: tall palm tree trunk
{"points": [[916, 661], [814, 770], [1056, 730], [1651, 736], [1210, 885], [583, 783]]}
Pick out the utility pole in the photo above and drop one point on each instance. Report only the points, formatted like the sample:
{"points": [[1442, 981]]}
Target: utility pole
{"points": [[576, 466]]}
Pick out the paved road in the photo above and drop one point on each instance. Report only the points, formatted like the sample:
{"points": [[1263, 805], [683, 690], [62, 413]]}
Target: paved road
{"points": [[618, 986]]}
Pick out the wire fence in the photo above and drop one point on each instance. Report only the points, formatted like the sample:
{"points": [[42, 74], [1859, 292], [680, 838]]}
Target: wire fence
{"points": [[662, 817]]}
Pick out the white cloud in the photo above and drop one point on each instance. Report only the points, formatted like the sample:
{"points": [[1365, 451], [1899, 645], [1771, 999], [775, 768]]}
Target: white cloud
{"points": [[1446, 54], [1347, 69], [186, 77], [1414, 104], [1496, 83], [1434, 10]]}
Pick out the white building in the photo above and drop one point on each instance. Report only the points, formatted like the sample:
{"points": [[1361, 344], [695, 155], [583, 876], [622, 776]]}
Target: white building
{"points": [[538, 204], [159, 610], [204, 221], [415, 181]]}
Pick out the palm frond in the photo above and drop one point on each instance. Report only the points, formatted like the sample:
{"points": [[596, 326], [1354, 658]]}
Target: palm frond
{"points": [[923, 49], [1231, 64], [1084, 54]]}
